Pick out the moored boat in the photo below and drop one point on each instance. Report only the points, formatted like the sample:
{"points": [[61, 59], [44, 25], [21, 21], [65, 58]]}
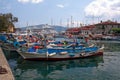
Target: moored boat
{"points": [[58, 57]]}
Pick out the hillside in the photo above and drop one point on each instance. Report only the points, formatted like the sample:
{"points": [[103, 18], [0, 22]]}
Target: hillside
{"points": [[55, 27]]}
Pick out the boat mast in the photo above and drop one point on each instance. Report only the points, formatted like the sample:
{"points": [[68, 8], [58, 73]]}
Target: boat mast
{"points": [[27, 31], [68, 23], [71, 21]]}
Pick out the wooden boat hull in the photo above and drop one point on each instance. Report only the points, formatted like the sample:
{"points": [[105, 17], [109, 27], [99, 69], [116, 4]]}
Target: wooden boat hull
{"points": [[8, 47], [58, 57]]}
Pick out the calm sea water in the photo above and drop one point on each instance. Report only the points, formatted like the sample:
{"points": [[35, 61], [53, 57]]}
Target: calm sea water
{"points": [[106, 67]]}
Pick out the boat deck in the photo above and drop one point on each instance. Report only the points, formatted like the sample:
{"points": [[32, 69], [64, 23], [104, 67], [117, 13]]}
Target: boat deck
{"points": [[56, 57]]}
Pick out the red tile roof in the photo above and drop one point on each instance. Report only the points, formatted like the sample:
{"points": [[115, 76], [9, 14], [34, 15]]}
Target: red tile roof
{"points": [[81, 28], [108, 23], [89, 27]]}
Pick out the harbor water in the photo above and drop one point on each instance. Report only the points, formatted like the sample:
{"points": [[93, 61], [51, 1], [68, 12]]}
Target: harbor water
{"points": [[106, 67]]}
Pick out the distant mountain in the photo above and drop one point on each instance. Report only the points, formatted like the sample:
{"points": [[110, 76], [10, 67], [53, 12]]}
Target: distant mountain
{"points": [[59, 28], [55, 27]]}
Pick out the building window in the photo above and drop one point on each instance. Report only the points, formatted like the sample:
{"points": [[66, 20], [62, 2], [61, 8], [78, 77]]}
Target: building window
{"points": [[103, 27], [112, 26], [118, 26]]}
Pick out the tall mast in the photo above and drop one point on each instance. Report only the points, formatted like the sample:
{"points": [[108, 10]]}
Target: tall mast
{"points": [[71, 22], [60, 22], [68, 23], [51, 21]]}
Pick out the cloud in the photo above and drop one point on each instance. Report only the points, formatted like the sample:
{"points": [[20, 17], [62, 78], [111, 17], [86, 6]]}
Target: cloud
{"points": [[24, 1], [60, 5], [37, 1], [103, 8], [32, 1]]}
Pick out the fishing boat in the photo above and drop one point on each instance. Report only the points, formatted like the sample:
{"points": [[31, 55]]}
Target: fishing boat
{"points": [[8, 47], [45, 56]]}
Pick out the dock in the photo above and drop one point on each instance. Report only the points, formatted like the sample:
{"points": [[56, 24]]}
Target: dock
{"points": [[4, 64]]}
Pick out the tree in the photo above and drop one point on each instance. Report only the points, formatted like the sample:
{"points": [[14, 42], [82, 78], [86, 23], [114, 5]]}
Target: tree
{"points": [[116, 31], [7, 21]]}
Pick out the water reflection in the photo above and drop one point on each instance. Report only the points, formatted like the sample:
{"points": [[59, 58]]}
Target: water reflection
{"points": [[38, 70], [32, 69], [110, 46], [80, 69]]}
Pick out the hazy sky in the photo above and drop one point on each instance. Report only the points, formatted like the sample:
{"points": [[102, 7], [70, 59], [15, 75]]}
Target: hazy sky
{"points": [[59, 12]]}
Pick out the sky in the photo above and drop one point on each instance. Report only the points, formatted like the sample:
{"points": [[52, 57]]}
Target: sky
{"points": [[61, 12]]}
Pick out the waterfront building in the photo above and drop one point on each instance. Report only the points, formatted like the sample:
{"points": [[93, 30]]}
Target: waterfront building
{"points": [[103, 28]]}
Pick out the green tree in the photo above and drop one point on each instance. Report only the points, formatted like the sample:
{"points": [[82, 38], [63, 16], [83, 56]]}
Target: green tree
{"points": [[7, 20], [116, 31]]}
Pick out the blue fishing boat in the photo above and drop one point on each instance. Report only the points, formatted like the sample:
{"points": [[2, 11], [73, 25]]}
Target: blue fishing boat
{"points": [[44, 55]]}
